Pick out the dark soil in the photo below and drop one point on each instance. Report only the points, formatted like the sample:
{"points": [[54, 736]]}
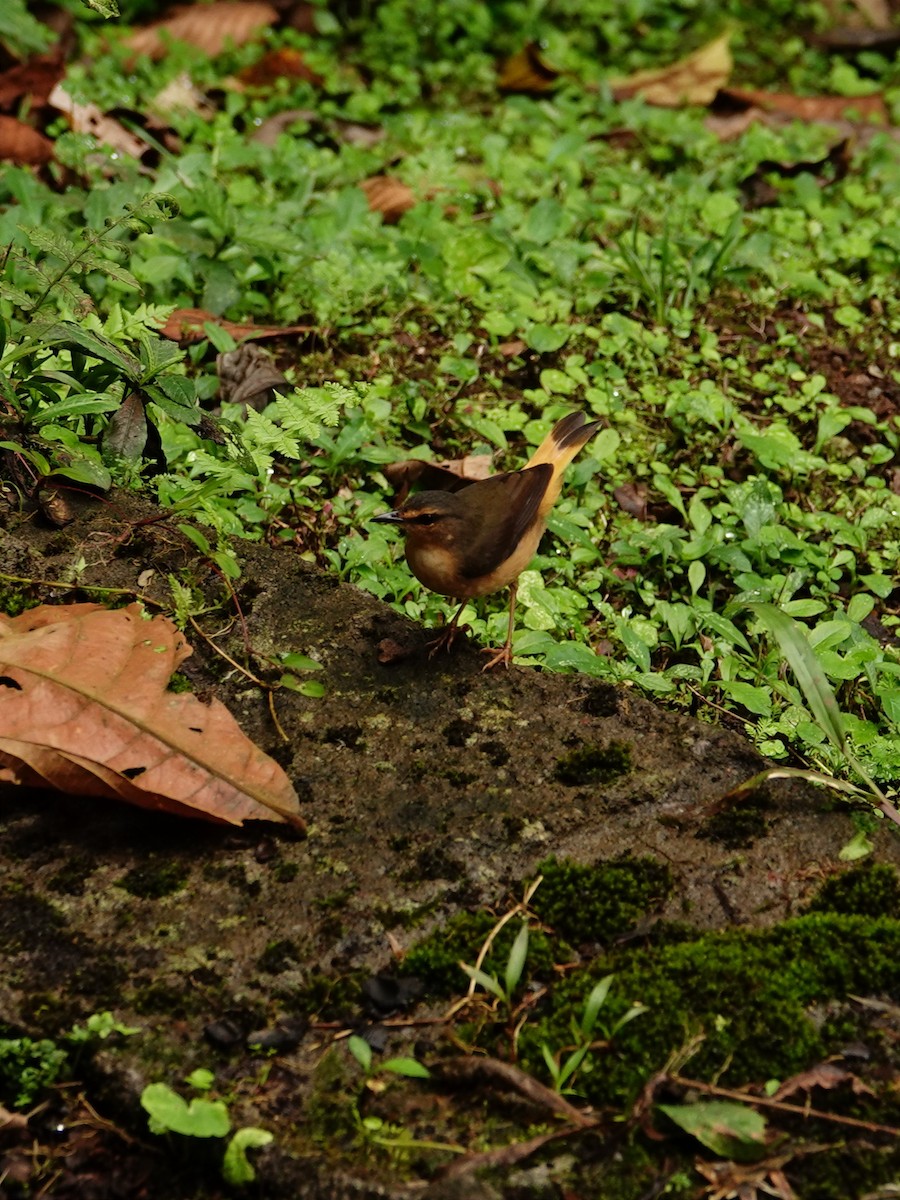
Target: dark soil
{"points": [[428, 788]]}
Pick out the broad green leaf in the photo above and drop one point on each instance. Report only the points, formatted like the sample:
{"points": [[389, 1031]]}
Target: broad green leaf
{"points": [[74, 337], [361, 1051], [84, 471], [637, 648], [300, 662], [544, 339], [735, 1131], [860, 606], [571, 656], [725, 629], [169, 1113], [859, 846], [545, 220], [237, 1169], [605, 444], [76, 406], [757, 700], [311, 688], [408, 1067], [594, 1003]]}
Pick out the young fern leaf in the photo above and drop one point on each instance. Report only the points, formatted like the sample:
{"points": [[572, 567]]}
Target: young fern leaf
{"points": [[54, 244]]}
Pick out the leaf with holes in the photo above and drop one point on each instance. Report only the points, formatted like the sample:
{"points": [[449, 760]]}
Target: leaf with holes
{"points": [[84, 708]]}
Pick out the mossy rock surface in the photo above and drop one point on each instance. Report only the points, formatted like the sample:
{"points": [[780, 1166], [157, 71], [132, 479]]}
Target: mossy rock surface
{"points": [[433, 801]]}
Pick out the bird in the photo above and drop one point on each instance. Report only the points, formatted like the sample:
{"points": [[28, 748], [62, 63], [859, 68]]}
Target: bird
{"points": [[480, 537]]}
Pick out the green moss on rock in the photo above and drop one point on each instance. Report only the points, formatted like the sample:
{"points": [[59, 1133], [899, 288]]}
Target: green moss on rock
{"points": [[436, 959], [594, 764], [601, 902], [153, 880], [746, 992], [329, 997], [736, 827], [872, 890], [278, 956]]}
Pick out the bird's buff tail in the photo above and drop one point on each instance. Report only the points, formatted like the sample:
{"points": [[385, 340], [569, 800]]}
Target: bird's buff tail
{"points": [[559, 447]]}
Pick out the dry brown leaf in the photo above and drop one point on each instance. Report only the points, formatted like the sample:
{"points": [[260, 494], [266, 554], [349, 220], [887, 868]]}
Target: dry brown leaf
{"points": [[876, 12], [746, 1181], [447, 476], [125, 436], [811, 108], [632, 498], [826, 1075], [527, 72], [21, 144], [511, 349], [209, 27], [88, 118], [35, 79], [354, 134], [388, 196], [181, 95], [691, 80], [247, 375], [286, 63], [84, 708], [728, 126], [858, 38], [390, 652], [186, 325]]}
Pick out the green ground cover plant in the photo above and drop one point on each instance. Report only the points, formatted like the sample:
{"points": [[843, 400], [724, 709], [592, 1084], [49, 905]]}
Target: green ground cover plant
{"points": [[565, 250]]}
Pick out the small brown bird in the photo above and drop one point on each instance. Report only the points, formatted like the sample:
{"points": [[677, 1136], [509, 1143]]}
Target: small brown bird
{"points": [[481, 537]]}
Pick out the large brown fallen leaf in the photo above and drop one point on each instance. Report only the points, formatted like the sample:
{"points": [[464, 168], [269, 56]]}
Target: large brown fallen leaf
{"points": [[84, 708], [21, 144], [389, 196], [691, 80], [35, 79], [210, 27], [186, 325], [811, 108]]}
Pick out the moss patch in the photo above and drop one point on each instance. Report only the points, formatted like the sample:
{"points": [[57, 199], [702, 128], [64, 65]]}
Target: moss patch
{"points": [[278, 956], [602, 902], [746, 992], [153, 880], [436, 959], [594, 764], [872, 890], [737, 827]]}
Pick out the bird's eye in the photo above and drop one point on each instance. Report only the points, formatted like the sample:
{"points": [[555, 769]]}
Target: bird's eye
{"points": [[426, 518]]}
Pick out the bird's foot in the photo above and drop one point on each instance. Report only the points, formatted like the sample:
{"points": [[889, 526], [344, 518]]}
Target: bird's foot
{"points": [[503, 657], [446, 639]]}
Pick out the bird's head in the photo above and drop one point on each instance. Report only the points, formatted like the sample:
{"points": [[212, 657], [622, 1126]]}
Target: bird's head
{"points": [[428, 519]]}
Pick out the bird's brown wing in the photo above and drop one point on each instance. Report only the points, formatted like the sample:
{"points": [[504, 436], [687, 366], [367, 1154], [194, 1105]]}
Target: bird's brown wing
{"points": [[502, 508]]}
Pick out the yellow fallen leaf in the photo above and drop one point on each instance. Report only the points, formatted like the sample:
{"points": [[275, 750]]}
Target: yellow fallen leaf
{"points": [[527, 72], [691, 80]]}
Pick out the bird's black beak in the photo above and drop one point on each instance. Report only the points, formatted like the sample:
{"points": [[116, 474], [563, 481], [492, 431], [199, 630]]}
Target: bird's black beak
{"points": [[389, 518]]}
